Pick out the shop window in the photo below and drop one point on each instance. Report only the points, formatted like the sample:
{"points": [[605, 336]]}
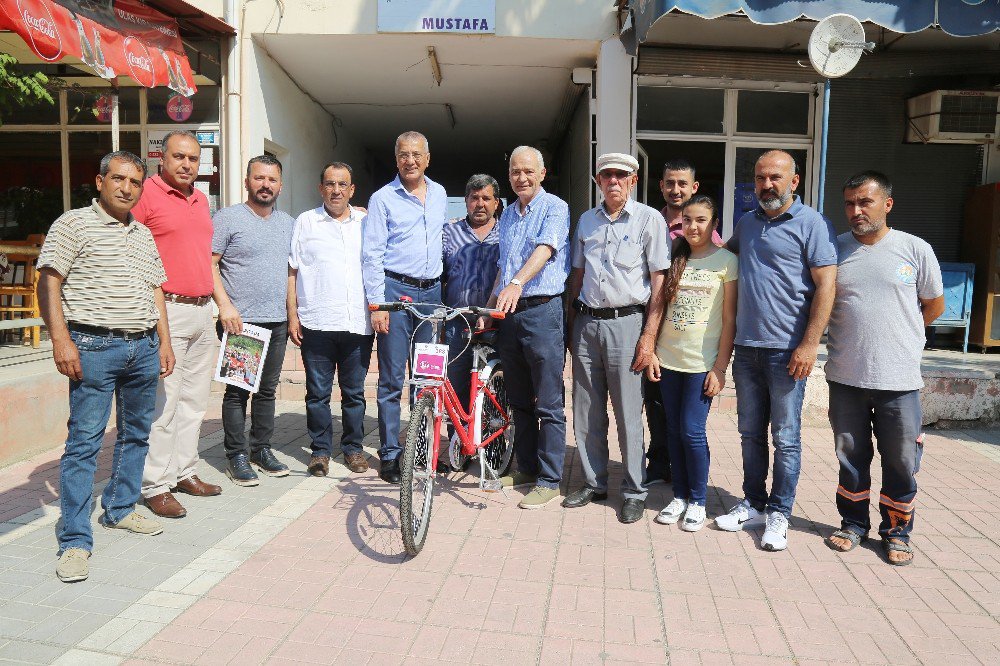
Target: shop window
{"points": [[771, 112], [85, 152], [31, 193], [666, 109], [168, 108], [34, 112], [92, 106]]}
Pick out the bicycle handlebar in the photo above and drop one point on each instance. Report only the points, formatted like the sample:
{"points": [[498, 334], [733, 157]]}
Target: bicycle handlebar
{"points": [[449, 313]]}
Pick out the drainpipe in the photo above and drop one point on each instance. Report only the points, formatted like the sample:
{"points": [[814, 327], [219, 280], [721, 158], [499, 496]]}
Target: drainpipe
{"points": [[822, 150], [231, 137]]}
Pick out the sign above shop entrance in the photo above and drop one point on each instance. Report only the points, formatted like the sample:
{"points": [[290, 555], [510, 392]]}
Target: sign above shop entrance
{"points": [[475, 17]]}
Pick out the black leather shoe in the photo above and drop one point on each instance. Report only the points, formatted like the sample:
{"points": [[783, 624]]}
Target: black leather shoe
{"points": [[265, 461], [240, 472], [583, 497], [632, 510], [389, 471]]}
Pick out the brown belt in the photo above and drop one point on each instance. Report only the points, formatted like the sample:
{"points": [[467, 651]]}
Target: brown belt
{"points": [[186, 300]]}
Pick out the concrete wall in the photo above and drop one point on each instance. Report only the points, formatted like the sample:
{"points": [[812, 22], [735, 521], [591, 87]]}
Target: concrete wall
{"points": [[299, 127], [561, 19], [33, 414]]}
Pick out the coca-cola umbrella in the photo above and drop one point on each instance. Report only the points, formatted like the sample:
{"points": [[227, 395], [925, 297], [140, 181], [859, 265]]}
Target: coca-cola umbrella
{"points": [[112, 37]]}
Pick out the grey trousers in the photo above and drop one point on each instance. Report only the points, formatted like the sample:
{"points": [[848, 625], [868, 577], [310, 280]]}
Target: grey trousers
{"points": [[603, 351]]}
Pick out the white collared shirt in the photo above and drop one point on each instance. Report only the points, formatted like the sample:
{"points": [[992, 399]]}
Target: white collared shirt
{"points": [[329, 287]]}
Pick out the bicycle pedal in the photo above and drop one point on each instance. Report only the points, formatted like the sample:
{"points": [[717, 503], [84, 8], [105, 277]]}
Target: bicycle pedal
{"points": [[491, 485]]}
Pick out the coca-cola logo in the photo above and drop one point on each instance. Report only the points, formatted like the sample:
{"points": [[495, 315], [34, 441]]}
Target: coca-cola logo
{"points": [[140, 63], [179, 108], [42, 29]]}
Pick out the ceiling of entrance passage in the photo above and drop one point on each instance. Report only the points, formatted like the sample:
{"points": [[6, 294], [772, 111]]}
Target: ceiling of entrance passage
{"points": [[504, 91]]}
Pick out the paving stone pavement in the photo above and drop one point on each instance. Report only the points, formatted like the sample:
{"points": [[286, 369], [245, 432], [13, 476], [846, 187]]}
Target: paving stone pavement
{"points": [[303, 569]]}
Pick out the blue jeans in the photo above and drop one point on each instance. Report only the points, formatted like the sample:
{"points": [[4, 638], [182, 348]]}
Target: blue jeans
{"points": [[234, 402], [393, 357], [349, 356], [685, 407], [894, 418], [767, 394], [112, 367], [533, 355]]}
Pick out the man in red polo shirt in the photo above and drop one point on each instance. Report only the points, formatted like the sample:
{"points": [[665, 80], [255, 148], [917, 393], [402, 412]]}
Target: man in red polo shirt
{"points": [[178, 216]]}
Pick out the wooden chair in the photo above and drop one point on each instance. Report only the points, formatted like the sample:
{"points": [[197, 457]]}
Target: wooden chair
{"points": [[22, 287]]}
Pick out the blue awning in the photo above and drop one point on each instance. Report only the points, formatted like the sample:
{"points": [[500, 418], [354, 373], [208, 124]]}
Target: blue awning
{"points": [[960, 18]]}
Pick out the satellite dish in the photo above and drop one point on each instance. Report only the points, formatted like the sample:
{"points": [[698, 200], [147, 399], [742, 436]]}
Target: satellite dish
{"points": [[836, 43]]}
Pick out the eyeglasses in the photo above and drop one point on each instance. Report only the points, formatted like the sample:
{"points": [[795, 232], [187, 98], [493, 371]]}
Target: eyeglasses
{"points": [[404, 157], [340, 185]]}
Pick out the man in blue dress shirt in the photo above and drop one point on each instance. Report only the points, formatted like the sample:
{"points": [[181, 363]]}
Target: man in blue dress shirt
{"points": [[401, 256], [534, 265]]}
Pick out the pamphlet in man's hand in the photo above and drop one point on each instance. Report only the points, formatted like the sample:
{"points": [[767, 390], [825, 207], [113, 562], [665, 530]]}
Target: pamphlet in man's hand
{"points": [[241, 357]]}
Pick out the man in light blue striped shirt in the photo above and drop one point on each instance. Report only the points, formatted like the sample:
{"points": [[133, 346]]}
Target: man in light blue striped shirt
{"points": [[401, 256], [534, 264]]}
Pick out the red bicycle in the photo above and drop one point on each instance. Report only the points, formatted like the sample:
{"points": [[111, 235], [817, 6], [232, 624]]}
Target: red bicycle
{"points": [[483, 428]]}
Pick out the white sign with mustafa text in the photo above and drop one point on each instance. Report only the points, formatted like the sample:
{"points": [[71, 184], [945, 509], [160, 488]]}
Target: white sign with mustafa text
{"points": [[475, 17]]}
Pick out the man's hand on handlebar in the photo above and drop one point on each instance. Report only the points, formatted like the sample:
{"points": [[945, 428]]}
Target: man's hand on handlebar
{"points": [[380, 321]]}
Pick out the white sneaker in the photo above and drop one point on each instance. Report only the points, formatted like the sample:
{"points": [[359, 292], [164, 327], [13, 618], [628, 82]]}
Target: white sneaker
{"points": [[672, 512], [741, 516], [776, 532], [694, 518]]}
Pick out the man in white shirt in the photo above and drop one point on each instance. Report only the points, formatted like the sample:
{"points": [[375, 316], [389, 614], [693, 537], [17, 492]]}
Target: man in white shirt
{"points": [[328, 317]]}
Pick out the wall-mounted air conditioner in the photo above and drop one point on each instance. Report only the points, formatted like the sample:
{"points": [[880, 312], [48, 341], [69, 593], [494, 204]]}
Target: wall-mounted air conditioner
{"points": [[953, 116]]}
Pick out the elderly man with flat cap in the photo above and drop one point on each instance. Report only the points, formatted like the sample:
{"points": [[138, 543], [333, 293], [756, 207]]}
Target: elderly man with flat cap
{"points": [[620, 254]]}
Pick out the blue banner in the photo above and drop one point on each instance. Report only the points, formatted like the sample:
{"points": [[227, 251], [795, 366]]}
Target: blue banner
{"points": [[960, 18]]}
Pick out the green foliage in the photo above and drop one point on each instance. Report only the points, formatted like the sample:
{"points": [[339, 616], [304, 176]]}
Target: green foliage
{"points": [[20, 89]]}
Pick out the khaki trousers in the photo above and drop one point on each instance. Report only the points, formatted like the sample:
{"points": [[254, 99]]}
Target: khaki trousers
{"points": [[181, 399]]}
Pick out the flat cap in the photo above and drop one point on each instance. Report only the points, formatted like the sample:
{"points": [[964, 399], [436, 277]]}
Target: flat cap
{"points": [[621, 161]]}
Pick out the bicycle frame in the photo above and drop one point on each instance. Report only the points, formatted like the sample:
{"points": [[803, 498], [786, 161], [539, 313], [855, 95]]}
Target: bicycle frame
{"points": [[448, 407], [467, 424]]}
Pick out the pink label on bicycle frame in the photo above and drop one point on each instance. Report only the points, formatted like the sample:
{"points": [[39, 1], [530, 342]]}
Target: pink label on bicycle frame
{"points": [[430, 365]]}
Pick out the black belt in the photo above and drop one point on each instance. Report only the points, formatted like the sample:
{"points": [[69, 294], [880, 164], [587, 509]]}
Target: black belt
{"points": [[607, 313], [100, 331], [413, 282], [529, 302]]}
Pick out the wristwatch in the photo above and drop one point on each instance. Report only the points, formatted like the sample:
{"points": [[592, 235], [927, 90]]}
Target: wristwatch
{"points": [[516, 281]]}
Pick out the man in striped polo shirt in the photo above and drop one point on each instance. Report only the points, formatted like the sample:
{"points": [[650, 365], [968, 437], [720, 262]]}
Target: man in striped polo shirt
{"points": [[100, 297]]}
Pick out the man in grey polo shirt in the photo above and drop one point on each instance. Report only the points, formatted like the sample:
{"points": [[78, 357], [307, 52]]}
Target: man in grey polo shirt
{"points": [[250, 246], [888, 289], [620, 254], [99, 293], [788, 272]]}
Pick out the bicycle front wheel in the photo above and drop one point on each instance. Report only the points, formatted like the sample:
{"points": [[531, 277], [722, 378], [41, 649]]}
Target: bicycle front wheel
{"points": [[500, 452], [416, 491]]}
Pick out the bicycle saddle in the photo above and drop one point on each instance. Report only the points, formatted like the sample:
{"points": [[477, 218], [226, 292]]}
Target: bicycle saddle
{"points": [[487, 337]]}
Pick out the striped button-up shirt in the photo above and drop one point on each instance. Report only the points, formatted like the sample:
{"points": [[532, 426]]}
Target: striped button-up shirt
{"points": [[402, 235], [470, 264], [545, 221], [110, 269]]}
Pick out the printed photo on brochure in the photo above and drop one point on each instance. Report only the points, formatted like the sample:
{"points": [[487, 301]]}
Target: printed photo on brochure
{"points": [[241, 357]]}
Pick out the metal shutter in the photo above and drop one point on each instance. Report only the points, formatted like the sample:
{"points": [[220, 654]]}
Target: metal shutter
{"points": [[930, 181]]}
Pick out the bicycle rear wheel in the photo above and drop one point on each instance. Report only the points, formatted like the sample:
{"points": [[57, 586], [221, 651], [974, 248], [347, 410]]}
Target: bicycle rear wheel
{"points": [[500, 452], [416, 490]]}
